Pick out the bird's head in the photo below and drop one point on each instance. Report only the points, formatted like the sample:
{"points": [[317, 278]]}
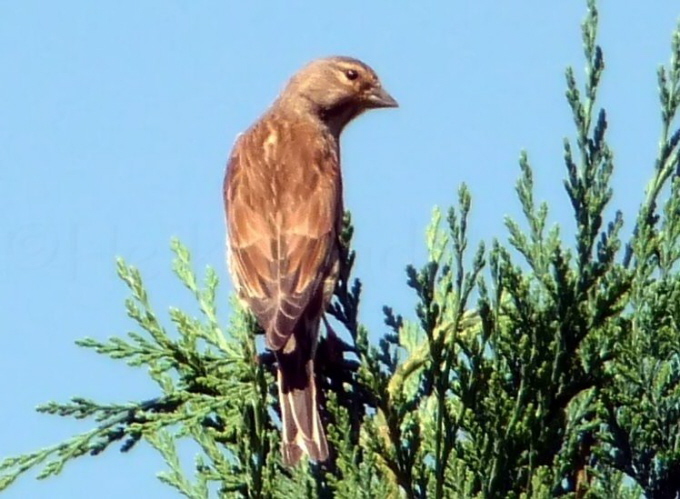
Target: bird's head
{"points": [[337, 89]]}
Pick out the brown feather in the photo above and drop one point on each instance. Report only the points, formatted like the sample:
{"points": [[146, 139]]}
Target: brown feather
{"points": [[283, 201], [282, 221]]}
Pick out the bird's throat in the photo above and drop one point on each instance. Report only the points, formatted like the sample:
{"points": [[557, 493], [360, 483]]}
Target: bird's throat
{"points": [[338, 117]]}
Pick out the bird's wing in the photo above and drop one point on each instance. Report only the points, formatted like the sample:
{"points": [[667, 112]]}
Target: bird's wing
{"points": [[282, 195]]}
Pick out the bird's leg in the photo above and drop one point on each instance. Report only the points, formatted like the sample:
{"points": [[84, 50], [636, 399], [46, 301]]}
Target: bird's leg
{"points": [[331, 364], [267, 359], [335, 341]]}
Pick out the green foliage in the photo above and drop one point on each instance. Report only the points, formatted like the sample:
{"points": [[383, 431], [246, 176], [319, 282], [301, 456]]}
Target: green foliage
{"points": [[536, 368]]}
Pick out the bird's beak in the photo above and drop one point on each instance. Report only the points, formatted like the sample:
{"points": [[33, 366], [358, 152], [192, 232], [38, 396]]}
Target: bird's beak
{"points": [[378, 97]]}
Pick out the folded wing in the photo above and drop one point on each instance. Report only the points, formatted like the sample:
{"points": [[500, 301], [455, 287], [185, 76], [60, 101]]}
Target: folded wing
{"points": [[282, 197]]}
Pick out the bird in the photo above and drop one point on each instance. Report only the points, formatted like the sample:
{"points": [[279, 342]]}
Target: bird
{"points": [[283, 201]]}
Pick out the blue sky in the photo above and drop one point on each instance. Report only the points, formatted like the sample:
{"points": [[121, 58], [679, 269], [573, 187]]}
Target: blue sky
{"points": [[117, 118]]}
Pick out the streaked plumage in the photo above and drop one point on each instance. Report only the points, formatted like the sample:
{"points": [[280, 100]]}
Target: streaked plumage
{"points": [[283, 202]]}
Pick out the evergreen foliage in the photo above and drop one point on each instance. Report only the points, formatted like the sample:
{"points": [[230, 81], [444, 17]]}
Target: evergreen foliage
{"points": [[535, 368]]}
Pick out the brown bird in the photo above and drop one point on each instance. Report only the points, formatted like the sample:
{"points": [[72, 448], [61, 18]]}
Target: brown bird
{"points": [[283, 202]]}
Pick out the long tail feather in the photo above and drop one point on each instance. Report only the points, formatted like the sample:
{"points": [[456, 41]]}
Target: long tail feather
{"points": [[302, 428]]}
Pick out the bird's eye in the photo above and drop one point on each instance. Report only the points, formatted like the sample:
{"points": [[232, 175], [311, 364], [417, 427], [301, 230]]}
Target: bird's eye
{"points": [[351, 74]]}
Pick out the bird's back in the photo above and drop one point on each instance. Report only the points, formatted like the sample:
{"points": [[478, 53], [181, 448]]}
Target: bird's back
{"points": [[283, 193]]}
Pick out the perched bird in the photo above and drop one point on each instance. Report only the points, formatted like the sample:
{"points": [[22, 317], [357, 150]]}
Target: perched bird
{"points": [[283, 203]]}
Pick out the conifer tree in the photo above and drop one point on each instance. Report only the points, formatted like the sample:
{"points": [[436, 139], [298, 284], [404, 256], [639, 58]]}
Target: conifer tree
{"points": [[537, 367]]}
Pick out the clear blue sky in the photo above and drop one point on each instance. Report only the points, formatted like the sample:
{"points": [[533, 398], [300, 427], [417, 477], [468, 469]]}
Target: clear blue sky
{"points": [[116, 119]]}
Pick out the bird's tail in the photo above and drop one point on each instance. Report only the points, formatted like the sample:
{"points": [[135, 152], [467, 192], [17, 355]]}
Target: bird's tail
{"points": [[302, 428]]}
